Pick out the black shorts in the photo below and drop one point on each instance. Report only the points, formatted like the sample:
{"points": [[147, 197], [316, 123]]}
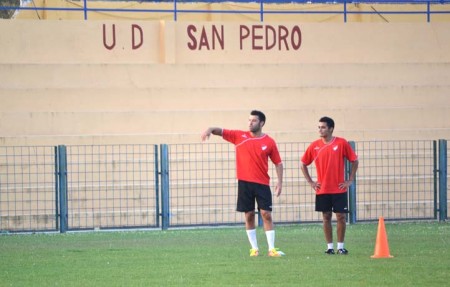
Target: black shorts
{"points": [[332, 202], [248, 192]]}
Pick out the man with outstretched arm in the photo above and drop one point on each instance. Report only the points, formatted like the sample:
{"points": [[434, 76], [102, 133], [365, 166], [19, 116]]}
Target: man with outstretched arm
{"points": [[253, 149]]}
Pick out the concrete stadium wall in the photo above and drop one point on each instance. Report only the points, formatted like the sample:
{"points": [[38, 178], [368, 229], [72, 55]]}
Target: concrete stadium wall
{"points": [[102, 82]]}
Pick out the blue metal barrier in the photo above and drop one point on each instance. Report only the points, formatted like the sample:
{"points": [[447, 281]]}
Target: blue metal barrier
{"points": [[62, 184], [121, 186], [28, 189], [165, 197], [443, 180], [261, 11], [351, 190]]}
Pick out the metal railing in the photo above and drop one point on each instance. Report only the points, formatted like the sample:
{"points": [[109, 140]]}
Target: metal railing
{"points": [[112, 186], [426, 8], [46, 188], [28, 188]]}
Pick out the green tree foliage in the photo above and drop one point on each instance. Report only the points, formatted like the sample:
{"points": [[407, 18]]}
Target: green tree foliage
{"points": [[7, 14]]}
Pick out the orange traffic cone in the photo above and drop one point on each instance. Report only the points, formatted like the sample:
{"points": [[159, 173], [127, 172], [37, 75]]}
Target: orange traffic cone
{"points": [[381, 245]]}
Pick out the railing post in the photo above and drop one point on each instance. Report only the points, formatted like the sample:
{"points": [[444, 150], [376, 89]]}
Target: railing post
{"points": [[261, 11], [175, 10], [157, 173], [345, 11], [351, 189], [85, 9], [56, 188], [442, 180], [62, 180], [165, 207], [435, 180], [260, 219]]}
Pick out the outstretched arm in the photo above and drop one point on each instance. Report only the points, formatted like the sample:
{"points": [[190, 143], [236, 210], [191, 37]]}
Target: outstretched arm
{"points": [[209, 131]]}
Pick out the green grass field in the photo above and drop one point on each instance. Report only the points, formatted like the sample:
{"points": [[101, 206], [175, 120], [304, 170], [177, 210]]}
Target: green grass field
{"points": [[219, 257]]}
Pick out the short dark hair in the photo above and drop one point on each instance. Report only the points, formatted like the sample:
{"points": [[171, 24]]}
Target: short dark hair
{"points": [[328, 121], [261, 115]]}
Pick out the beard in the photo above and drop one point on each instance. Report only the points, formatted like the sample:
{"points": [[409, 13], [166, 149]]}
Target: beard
{"points": [[255, 129]]}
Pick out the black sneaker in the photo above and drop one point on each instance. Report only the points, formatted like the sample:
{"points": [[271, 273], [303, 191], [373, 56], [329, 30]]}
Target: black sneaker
{"points": [[330, 251], [342, 251]]}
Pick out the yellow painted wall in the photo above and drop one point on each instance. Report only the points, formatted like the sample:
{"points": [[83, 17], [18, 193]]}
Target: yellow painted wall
{"points": [[62, 85], [165, 81]]}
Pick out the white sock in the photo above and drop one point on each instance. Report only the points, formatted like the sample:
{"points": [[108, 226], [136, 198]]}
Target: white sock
{"points": [[340, 245], [270, 234], [251, 234], [330, 245]]}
